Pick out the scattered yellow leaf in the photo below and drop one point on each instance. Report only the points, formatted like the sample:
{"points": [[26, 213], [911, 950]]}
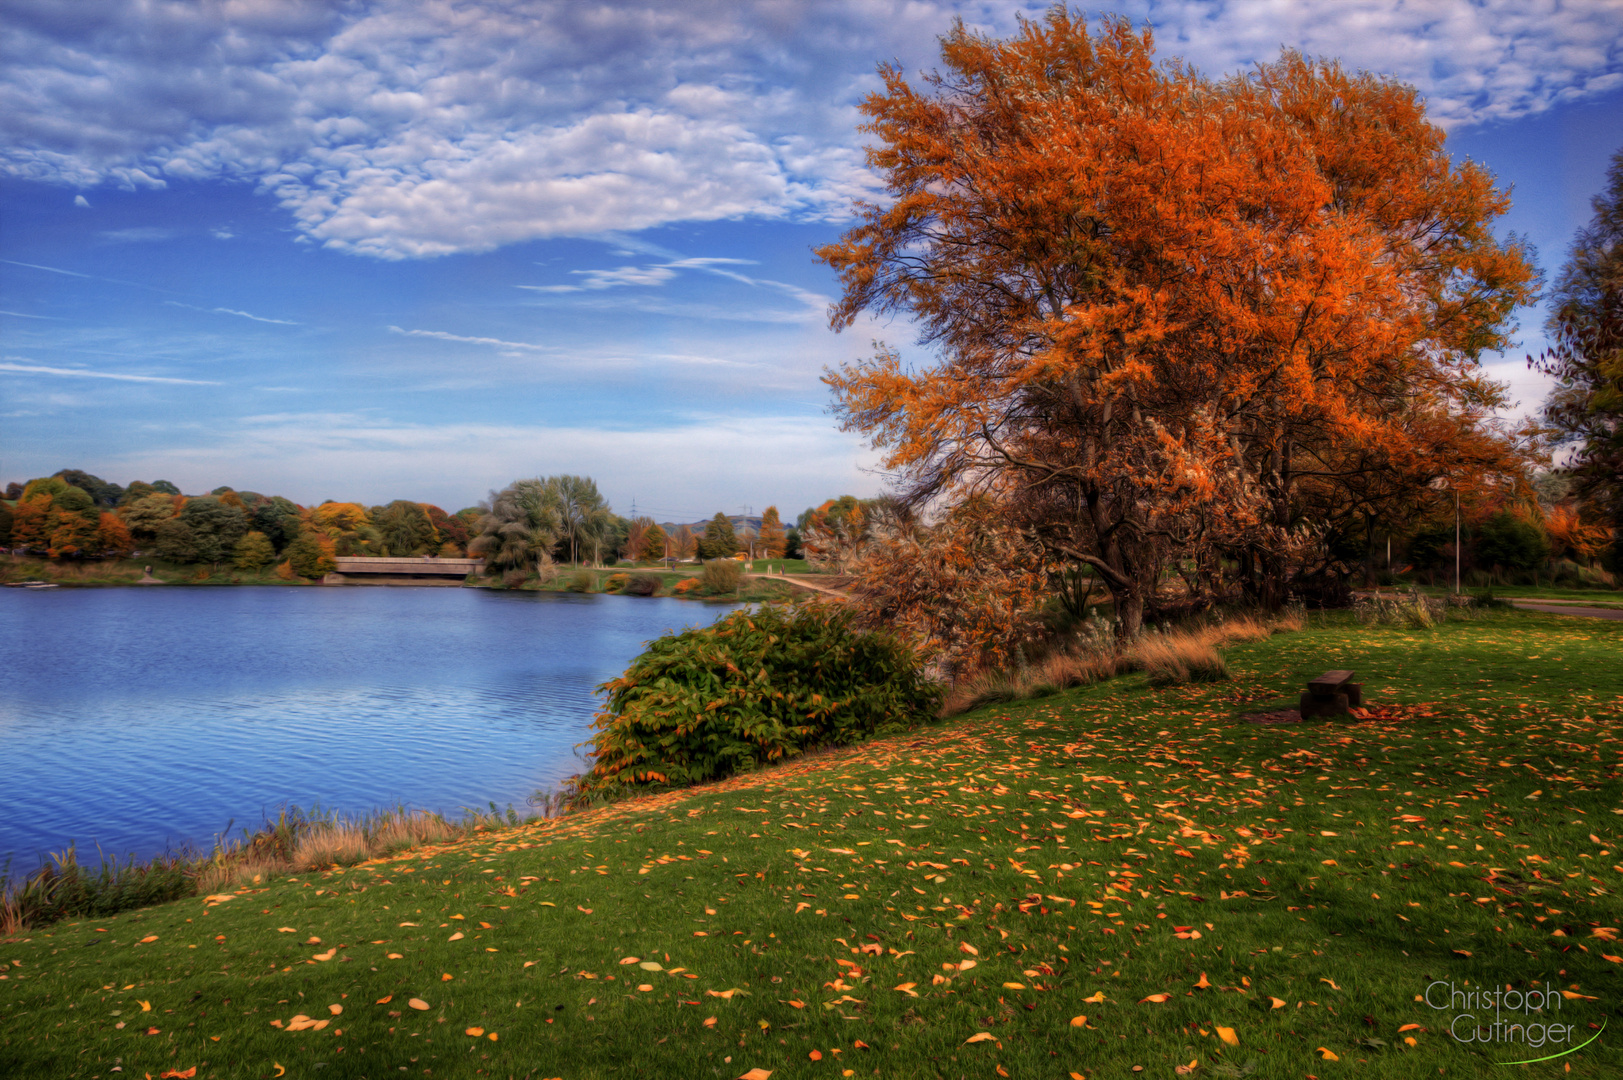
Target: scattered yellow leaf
{"points": [[419, 1004], [336, 1010], [149, 939], [1157, 998], [1079, 1021], [1203, 984], [1326, 1054], [476, 1032], [1228, 1036], [455, 937], [756, 1074], [1097, 998], [979, 1036], [146, 1006], [1278, 1003], [385, 999]]}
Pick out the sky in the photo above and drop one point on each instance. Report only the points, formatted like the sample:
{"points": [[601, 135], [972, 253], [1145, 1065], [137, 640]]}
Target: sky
{"points": [[418, 249]]}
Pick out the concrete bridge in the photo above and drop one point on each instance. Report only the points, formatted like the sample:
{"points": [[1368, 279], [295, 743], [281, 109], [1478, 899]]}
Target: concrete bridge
{"points": [[372, 570]]}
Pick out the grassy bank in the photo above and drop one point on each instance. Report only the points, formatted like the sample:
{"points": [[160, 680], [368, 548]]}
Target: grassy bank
{"points": [[1118, 875]]}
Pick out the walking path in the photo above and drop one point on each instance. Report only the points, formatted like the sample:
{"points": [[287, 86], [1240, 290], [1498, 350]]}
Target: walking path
{"points": [[1559, 609], [804, 584]]}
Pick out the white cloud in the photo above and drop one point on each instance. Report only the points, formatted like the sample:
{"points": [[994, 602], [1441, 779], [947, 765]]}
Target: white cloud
{"points": [[498, 342], [80, 200], [232, 311], [419, 129], [84, 373]]}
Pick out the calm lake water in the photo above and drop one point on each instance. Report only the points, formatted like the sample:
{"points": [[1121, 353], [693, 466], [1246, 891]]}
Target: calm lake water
{"points": [[141, 718]]}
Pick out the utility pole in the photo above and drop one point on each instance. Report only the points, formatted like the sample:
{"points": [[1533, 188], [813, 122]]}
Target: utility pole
{"points": [[1456, 540]]}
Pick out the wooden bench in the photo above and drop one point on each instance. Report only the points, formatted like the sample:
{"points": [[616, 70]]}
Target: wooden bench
{"points": [[1332, 694]]}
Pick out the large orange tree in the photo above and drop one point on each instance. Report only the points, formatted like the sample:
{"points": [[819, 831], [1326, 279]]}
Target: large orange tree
{"points": [[1173, 318]]}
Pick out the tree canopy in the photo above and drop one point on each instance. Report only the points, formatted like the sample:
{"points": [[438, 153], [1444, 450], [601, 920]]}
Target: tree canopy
{"points": [[1173, 316]]}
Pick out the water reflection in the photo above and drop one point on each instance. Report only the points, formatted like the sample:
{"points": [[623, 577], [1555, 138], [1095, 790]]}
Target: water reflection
{"points": [[132, 718]]}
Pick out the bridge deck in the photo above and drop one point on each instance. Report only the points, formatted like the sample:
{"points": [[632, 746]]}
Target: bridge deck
{"points": [[369, 564]]}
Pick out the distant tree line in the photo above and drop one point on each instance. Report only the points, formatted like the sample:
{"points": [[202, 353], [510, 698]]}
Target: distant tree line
{"points": [[527, 526]]}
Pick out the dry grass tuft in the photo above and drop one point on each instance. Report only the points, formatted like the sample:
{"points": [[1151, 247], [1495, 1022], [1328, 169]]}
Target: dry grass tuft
{"points": [[1171, 657]]}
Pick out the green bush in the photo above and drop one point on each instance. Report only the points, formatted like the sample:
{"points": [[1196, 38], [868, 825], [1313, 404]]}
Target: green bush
{"points": [[722, 577], [643, 585], [581, 581], [615, 582], [755, 687]]}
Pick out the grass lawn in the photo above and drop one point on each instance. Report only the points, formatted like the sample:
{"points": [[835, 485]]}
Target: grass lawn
{"points": [[1595, 597], [1113, 877]]}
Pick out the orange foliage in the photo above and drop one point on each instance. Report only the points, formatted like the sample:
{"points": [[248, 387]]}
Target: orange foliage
{"points": [[1570, 535], [113, 536], [1173, 314]]}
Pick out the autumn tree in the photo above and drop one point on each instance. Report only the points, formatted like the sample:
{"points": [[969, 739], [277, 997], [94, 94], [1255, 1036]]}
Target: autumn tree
{"points": [[961, 590], [113, 536], [1173, 316], [144, 515], [834, 533], [772, 534], [312, 555], [653, 543], [684, 545], [1586, 407]]}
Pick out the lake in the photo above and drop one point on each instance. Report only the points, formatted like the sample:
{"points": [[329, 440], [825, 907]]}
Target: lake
{"points": [[137, 718]]}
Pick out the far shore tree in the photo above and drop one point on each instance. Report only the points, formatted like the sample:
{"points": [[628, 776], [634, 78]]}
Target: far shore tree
{"points": [[654, 543], [684, 545], [718, 541], [253, 552], [772, 534]]}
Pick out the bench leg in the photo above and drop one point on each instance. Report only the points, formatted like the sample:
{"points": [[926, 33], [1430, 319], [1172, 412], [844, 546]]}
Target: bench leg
{"points": [[1313, 705], [1355, 694]]}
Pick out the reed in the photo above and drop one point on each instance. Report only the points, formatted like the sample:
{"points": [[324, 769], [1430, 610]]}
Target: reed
{"points": [[294, 841]]}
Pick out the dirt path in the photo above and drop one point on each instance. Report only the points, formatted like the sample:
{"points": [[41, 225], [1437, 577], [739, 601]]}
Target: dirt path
{"points": [[1560, 609], [804, 584]]}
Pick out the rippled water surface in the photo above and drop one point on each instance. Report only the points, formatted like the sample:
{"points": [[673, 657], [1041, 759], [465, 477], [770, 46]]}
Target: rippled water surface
{"points": [[138, 718]]}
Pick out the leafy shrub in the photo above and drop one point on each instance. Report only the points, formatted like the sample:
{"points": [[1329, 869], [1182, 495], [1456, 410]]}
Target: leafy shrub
{"points": [[581, 581], [1175, 658], [722, 577], [755, 687], [643, 585], [616, 582], [514, 579], [686, 585]]}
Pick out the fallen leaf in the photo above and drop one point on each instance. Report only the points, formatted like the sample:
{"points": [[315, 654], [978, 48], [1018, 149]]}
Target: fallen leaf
{"points": [[447, 977], [645, 987], [980, 1036], [710, 1021], [1328, 1055], [1157, 998], [966, 947], [146, 1006], [385, 1000], [419, 1004], [1185, 1070], [1332, 983], [279, 1070], [335, 1009], [476, 1032], [1097, 998], [1278, 1003], [149, 938], [328, 955], [1228, 1036], [394, 956], [816, 1055], [1462, 952], [1410, 1027], [455, 937], [1203, 984], [756, 1074], [1571, 996], [624, 960], [1079, 1021], [178, 1075], [907, 988], [293, 930], [588, 911]]}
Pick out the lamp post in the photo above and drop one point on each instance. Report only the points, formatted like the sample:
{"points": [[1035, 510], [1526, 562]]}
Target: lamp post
{"points": [[1456, 539]]}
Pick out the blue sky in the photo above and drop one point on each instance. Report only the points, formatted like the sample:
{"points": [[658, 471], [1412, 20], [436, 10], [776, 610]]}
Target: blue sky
{"points": [[418, 249]]}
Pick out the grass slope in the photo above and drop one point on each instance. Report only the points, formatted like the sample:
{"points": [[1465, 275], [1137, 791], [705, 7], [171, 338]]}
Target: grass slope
{"points": [[1139, 857]]}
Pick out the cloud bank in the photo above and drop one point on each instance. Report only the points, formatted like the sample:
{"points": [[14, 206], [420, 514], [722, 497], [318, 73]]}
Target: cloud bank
{"points": [[402, 130]]}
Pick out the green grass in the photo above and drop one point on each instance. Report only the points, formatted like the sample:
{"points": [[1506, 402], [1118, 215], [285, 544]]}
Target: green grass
{"points": [[1293, 852], [1578, 597], [784, 566]]}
